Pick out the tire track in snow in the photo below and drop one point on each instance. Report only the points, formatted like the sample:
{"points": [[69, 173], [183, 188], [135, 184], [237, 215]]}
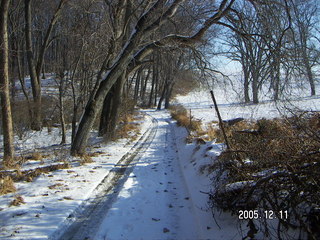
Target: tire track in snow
{"points": [[154, 203], [86, 219]]}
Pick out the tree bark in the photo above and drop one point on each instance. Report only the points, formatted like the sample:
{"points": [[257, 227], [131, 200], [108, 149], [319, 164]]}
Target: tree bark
{"points": [[144, 87], [4, 85]]}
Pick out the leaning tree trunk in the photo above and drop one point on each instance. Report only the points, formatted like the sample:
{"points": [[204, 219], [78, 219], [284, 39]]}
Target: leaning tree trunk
{"points": [[4, 85], [94, 106], [96, 100]]}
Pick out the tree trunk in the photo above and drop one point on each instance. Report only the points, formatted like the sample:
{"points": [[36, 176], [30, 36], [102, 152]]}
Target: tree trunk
{"points": [[61, 108], [311, 79], [246, 84], [116, 105], [255, 89], [162, 97], [137, 85], [34, 77], [307, 66], [276, 75], [168, 95], [144, 88], [154, 75], [7, 125], [106, 113], [94, 106], [156, 88]]}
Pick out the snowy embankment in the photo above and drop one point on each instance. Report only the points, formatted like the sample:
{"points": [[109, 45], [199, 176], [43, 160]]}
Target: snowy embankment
{"points": [[201, 157]]}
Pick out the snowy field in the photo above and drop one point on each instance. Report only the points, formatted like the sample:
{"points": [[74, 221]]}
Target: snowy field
{"points": [[201, 105]]}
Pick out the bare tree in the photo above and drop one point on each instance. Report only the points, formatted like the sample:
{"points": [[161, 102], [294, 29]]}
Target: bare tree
{"points": [[134, 51], [248, 48], [304, 19], [36, 63], [259, 42]]}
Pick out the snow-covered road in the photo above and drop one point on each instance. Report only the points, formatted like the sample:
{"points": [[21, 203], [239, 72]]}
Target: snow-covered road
{"points": [[153, 202]]}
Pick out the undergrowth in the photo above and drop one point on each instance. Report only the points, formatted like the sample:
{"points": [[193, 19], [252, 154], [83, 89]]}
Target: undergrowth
{"points": [[184, 119], [272, 165], [6, 185]]}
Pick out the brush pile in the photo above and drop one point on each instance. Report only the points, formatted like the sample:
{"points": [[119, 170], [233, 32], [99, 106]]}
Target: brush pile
{"points": [[272, 165]]}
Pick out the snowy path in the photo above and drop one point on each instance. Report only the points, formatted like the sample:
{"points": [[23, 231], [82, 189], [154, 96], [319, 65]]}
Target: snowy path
{"points": [[153, 202]]}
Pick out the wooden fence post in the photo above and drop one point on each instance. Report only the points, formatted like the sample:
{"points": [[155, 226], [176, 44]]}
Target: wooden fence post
{"points": [[220, 120]]}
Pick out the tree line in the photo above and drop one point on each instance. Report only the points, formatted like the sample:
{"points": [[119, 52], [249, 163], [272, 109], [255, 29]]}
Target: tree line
{"points": [[283, 47], [107, 54]]}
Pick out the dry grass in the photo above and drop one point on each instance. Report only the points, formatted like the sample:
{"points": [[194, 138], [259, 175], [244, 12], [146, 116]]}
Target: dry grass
{"points": [[85, 158], [6, 185], [282, 158], [30, 175], [127, 128], [184, 119], [54, 186], [17, 201], [36, 156], [214, 132]]}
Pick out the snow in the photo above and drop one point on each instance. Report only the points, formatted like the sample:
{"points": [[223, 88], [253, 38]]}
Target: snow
{"points": [[165, 196], [154, 202], [201, 105], [239, 185], [46, 209], [162, 198]]}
